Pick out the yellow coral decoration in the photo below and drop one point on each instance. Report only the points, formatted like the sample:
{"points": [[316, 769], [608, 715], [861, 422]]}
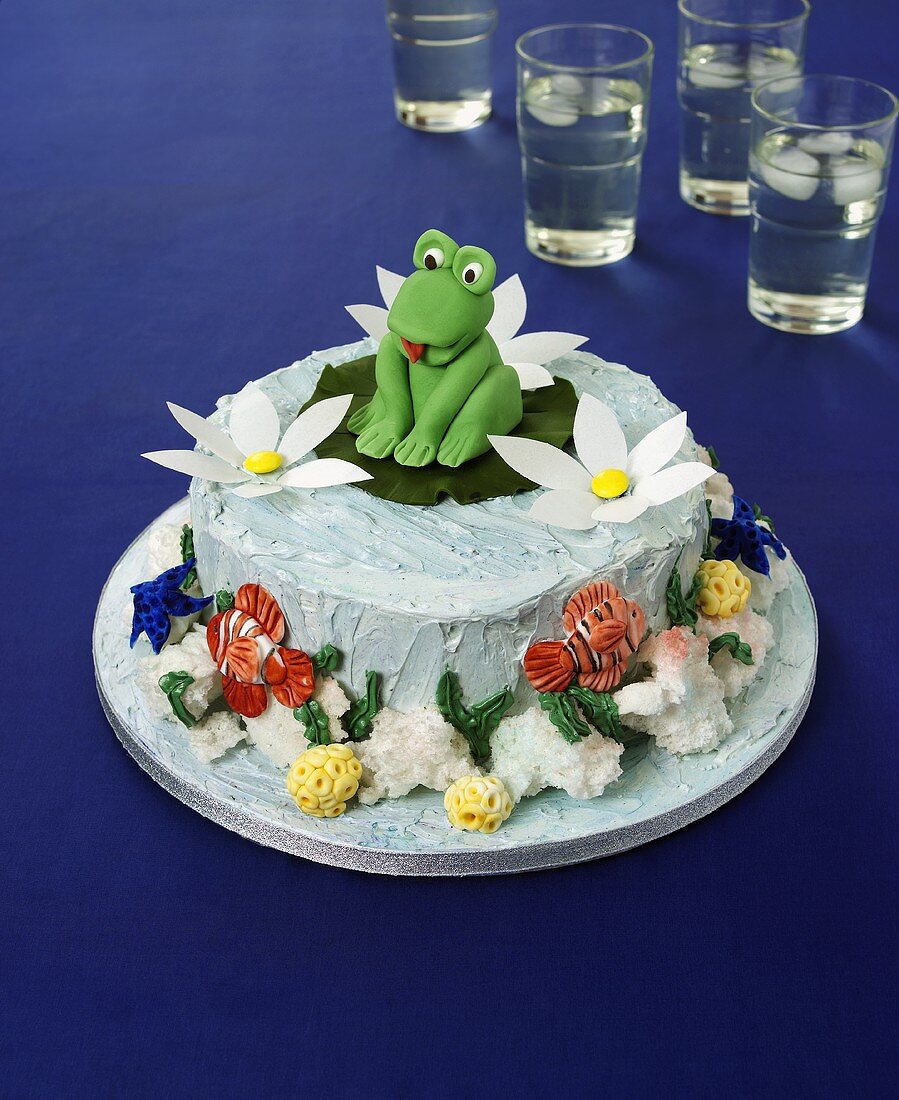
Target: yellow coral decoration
{"points": [[477, 803], [725, 589], [323, 779]]}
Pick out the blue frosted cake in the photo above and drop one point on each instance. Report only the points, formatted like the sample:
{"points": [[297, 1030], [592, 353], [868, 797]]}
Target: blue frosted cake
{"points": [[452, 556]]}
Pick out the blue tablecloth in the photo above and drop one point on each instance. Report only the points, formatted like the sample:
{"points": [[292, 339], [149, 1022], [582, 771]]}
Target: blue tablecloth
{"points": [[191, 192]]}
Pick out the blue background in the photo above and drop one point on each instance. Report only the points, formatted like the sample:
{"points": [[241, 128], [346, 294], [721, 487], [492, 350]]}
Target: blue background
{"points": [[189, 194]]}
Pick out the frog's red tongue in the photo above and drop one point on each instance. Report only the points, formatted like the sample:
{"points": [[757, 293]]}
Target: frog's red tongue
{"points": [[414, 351]]}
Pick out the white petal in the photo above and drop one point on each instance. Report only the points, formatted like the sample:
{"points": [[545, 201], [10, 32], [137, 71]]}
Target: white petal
{"points": [[541, 462], [253, 422], [389, 284], [598, 438], [532, 376], [322, 472], [622, 510], [207, 433], [197, 465], [657, 448], [312, 426], [372, 318], [540, 347], [567, 508], [673, 482], [256, 489], [510, 304]]}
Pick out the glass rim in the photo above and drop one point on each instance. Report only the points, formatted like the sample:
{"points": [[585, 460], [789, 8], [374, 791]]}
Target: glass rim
{"points": [[710, 21], [556, 66], [772, 116]]}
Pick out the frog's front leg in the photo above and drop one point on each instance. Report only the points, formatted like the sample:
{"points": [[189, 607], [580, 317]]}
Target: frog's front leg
{"points": [[460, 377], [388, 417]]}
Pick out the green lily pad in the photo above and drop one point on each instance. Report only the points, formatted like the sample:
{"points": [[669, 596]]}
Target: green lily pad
{"points": [[548, 416]]}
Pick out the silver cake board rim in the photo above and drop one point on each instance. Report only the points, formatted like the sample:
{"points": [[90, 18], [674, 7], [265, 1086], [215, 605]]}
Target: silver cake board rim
{"points": [[507, 860]]}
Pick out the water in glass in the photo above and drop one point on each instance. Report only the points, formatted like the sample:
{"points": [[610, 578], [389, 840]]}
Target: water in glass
{"points": [[441, 60], [582, 139]]}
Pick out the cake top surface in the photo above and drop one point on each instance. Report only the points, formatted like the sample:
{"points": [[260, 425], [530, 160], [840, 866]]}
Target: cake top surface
{"points": [[464, 559]]}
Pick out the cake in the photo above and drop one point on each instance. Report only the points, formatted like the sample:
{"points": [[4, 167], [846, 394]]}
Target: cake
{"points": [[453, 556]]}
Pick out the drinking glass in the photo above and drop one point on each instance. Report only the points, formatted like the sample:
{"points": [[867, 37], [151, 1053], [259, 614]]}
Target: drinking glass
{"points": [[726, 47], [821, 148], [441, 62], [583, 103]]}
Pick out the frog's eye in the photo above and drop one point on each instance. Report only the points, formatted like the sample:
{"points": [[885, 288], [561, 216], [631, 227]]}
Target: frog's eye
{"points": [[434, 250], [471, 273], [475, 269]]}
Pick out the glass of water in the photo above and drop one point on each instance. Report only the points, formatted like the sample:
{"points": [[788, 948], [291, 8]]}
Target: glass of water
{"points": [[441, 62], [821, 148], [583, 103], [727, 47]]}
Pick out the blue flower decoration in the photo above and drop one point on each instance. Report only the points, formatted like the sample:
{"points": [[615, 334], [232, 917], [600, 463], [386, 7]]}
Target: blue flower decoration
{"points": [[744, 537], [155, 601]]}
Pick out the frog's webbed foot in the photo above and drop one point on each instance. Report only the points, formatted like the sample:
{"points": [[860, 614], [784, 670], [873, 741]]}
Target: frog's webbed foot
{"points": [[415, 451], [378, 440], [361, 418], [460, 445]]}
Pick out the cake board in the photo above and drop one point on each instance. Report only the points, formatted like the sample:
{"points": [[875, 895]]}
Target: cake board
{"points": [[657, 793]]}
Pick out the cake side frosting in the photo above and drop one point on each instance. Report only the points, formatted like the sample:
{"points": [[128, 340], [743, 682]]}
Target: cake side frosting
{"points": [[407, 590]]}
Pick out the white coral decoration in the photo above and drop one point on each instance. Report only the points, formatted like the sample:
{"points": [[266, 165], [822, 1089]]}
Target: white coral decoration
{"points": [[280, 737], [528, 754], [606, 483], [755, 631], [190, 655], [682, 704], [253, 449], [764, 589], [527, 353], [410, 750]]}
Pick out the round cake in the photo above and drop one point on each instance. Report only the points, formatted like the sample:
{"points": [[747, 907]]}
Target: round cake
{"points": [[409, 590]]}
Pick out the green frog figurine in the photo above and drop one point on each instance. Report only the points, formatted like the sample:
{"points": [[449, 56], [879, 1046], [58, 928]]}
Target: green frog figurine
{"points": [[442, 386]]}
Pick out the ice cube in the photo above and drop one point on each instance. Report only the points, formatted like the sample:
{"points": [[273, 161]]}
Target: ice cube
{"points": [[851, 185], [791, 172], [831, 142], [716, 74], [762, 67], [568, 84], [554, 109]]}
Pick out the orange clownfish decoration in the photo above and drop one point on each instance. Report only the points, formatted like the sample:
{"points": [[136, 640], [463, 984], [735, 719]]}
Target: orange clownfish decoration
{"points": [[244, 643], [604, 629]]}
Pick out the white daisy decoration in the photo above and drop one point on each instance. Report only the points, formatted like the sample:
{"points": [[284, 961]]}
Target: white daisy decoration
{"points": [[527, 353], [605, 483], [253, 456]]}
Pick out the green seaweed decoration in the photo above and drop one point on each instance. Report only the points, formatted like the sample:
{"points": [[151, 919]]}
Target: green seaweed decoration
{"points": [[574, 710], [224, 600], [730, 641], [327, 659], [713, 458], [187, 552], [600, 710], [174, 685], [760, 517], [358, 718], [316, 722], [565, 716], [707, 551], [682, 608], [476, 723]]}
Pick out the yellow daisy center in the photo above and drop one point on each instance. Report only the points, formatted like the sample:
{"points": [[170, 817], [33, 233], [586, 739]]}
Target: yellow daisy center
{"points": [[609, 484], [262, 462]]}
